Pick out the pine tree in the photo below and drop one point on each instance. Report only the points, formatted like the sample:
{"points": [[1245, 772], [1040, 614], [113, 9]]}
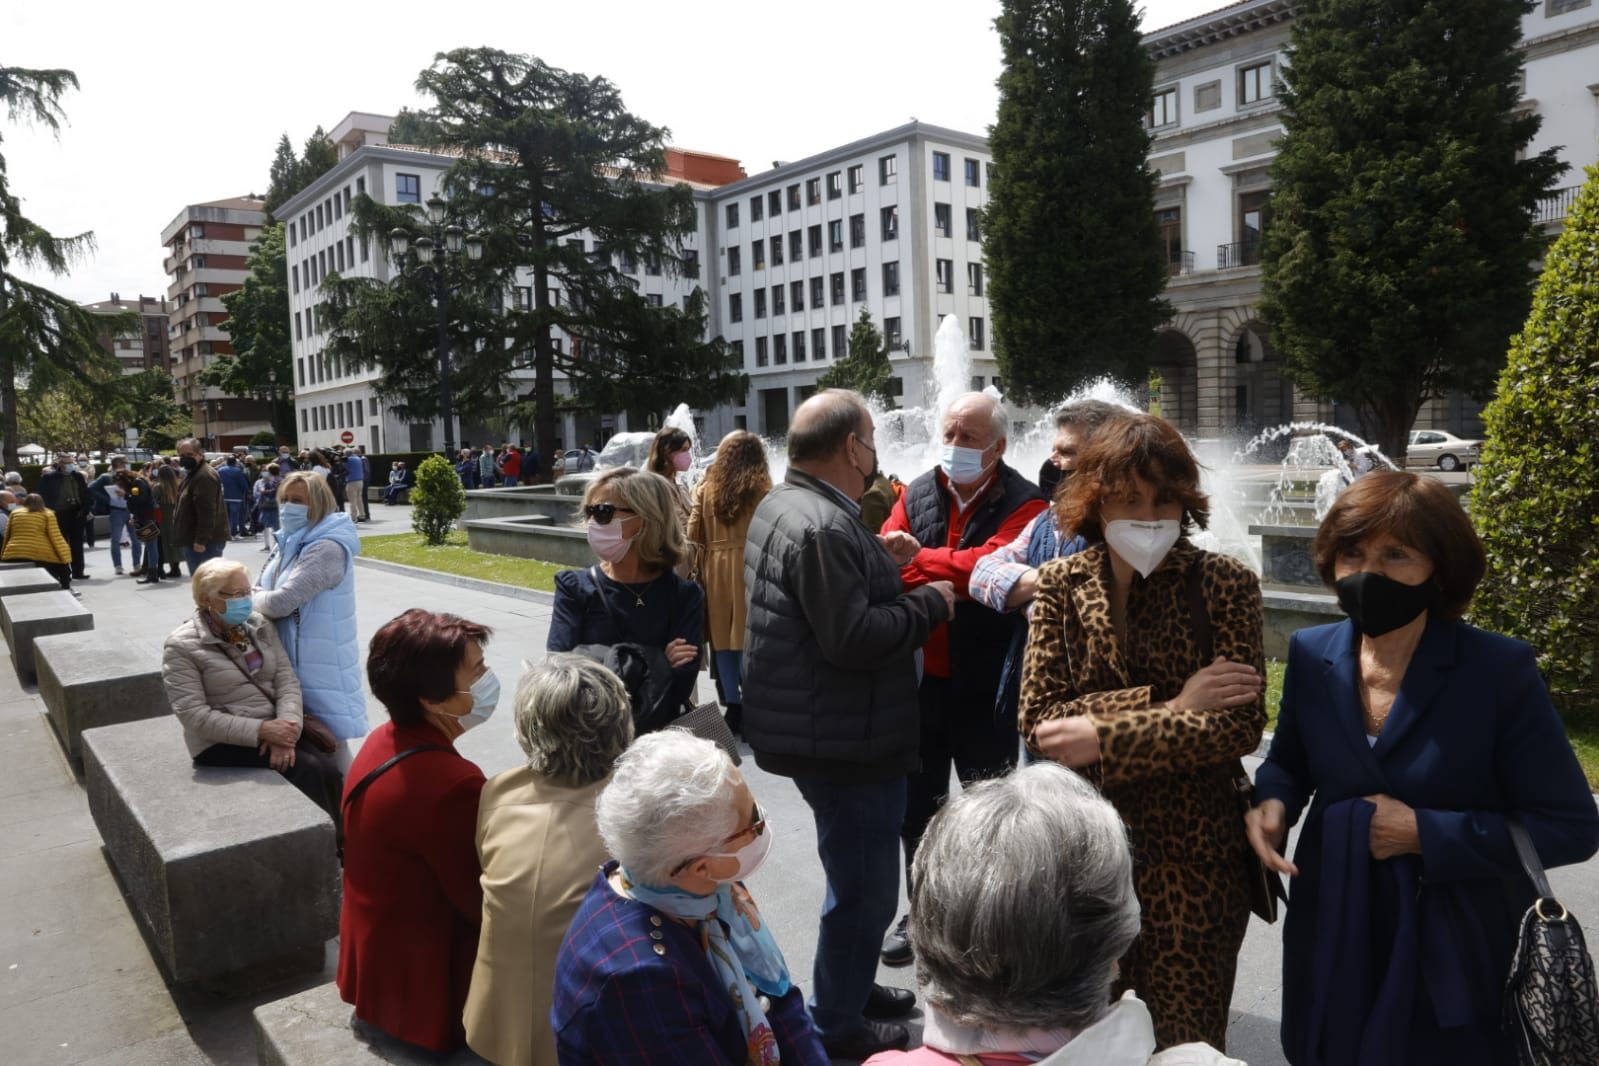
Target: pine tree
{"points": [[1535, 497], [1075, 263], [282, 176], [1396, 264], [866, 368]]}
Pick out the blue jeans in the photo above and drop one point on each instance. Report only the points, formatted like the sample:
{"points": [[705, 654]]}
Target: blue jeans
{"points": [[730, 672], [152, 555], [857, 837], [192, 559], [119, 525], [236, 517]]}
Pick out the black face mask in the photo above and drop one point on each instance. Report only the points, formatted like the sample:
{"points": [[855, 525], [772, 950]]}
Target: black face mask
{"points": [[1049, 478], [189, 462], [1379, 604]]}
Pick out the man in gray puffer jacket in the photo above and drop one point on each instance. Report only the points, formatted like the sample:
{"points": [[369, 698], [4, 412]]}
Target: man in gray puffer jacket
{"points": [[830, 698]]}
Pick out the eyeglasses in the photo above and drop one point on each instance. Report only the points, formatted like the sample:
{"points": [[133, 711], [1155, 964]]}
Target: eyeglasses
{"points": [[604, 512], [756, 827]]}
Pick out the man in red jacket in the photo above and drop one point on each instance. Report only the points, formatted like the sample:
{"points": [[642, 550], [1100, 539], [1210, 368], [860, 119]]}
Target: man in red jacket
{"points": [[969, 505]]}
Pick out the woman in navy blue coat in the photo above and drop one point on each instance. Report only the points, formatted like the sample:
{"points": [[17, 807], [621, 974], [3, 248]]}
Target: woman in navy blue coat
{"points": [[1413, 737]]}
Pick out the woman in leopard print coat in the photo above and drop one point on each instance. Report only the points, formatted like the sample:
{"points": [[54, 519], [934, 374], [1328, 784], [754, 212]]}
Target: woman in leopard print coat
{"points": [[1116, 684]]}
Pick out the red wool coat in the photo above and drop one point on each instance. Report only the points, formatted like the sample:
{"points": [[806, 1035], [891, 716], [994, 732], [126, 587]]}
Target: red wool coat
{"points": [[412, 902]]}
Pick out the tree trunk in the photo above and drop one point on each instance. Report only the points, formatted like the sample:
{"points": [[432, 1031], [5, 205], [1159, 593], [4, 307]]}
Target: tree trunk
{"points": [[8, 394], [543, 348]]}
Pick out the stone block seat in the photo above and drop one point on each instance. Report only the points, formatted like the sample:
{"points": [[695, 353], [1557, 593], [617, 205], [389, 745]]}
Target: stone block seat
{"points": [[26, 580], [232, 874], [17, 564], [24, 619], [83, 687], [313, 1028]]}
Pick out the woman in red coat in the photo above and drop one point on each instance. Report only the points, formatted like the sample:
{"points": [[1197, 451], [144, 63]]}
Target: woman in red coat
{"points": [[412, 903]]}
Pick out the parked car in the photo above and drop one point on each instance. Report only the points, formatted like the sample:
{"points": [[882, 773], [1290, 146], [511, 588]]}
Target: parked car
{"points": [[1434, 447]]}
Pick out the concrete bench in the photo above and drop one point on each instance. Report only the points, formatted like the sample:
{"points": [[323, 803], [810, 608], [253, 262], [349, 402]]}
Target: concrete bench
{"points": [[83, 687], [25, 581], [24, 619], [374, 493], [231, 873], [313, 1028], [17, 564]]}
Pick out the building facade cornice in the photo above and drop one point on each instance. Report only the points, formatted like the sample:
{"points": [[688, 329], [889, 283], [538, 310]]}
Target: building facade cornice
{"points": [[899, 134], [1216, 26]]}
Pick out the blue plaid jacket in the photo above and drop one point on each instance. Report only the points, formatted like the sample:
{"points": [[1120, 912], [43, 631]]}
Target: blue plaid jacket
{"points": [[633, 986]]}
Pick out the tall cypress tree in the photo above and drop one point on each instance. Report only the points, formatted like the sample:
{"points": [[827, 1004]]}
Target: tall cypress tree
{"points": [[1399, 258], [1073, 249]]}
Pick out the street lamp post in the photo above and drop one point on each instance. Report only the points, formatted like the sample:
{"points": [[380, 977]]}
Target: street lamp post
{"points": [[432, 253]]}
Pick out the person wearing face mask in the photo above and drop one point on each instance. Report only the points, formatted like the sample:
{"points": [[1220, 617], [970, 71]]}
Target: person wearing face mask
{"points": [[633, 595], [234, 690], [66, 492], [1416, 740], [308, 588], [968, 506], [539, 847], [201, 518], [672, 457], [168, 488], [1144, 671], [829, 680], [412, 904], [669, 933]]}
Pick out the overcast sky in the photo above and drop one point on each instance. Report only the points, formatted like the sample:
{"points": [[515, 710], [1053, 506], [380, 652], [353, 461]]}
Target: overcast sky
{"points": [[180, 105]]}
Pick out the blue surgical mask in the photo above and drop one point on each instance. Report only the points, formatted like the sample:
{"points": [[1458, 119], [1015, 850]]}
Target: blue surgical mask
{"points": [[69, 467], [963, 466], [293, 516], [237, 612], [485, 697]]}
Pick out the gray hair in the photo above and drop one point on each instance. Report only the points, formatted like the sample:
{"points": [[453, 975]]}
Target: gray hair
{"points": [[998, 419], [670, 799], [210, 576], [13, 477], [1087, 416], [1028, 938], [831, 416], [573, 719]]}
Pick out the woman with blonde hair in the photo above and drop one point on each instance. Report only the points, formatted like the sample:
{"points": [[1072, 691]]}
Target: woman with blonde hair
{"points": [[33, 535], [719, 523], [308, 588], [632, 597]]}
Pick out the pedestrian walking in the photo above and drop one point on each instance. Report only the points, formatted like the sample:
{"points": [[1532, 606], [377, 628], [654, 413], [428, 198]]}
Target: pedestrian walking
{"points": [[65, 491], [236, 495], [355, 486], [202, 515]]}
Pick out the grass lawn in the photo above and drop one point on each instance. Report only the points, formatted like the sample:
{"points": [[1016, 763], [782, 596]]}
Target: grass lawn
{"points": [[454, 557]]}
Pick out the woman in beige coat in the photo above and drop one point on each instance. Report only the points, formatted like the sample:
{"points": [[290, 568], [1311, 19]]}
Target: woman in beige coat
{"points": [[232, 686], [720, 523], [539, 848]]}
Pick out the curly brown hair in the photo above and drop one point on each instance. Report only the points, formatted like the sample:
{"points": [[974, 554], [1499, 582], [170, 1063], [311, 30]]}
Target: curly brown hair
{"points": [[739, 477], [1126, 445]]}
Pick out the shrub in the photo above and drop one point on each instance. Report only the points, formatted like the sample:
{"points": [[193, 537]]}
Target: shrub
{"points": [[1536, 497], [265, 439], [437, 500]]}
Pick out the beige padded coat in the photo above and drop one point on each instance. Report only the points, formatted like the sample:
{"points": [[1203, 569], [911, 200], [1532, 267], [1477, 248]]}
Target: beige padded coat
{"points": [[213, 696]]}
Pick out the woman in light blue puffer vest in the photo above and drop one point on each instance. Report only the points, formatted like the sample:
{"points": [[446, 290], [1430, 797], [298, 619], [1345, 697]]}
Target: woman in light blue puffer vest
{"points": [[308, 588]]}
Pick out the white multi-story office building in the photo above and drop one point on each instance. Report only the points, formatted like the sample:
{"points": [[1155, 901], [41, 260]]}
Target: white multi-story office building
{"points": [[1216, 120]]}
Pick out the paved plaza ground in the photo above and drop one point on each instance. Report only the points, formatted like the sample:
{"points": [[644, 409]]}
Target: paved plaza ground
{"points": [[77, 984]]}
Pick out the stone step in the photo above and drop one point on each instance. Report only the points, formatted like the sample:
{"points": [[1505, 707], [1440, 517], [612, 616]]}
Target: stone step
{"points": [[86, 685], [24, 619], [313, 1028]]}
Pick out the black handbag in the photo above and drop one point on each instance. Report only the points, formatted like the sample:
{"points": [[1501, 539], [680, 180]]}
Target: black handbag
{"points": [[1551, 1008]]}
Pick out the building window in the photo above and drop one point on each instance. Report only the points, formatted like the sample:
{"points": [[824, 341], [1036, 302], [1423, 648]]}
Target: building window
{"points": [[298, 334], [835, 235], [857, 180], [360, 190], [796, 295], [407, 189], [942, 222], [365, 250], [816, 291], [840, 342], [889, 223], [319, 222], [793, 197], [522, 297], [760, 351], [360, 413], [774, 203], [780, 349], [735, 307], [1170, 220], [1255, 83], [857, 284], [305, 420], [299, 369], [813, 196], [1163, 108], [777, 251], [799, 346], [691, 263], [813, 236], [652, 264], [888, 170], [1560, 7], [294, 276], [857, 231], [974, 334], [940, 166], [340, 250], [1254, 215], [974, 228], [945, 271], [819, 344], [732, 216], [760, 303], [293, 239], [778, 304], [891, 278], [796, 246], [892, 338], [836, 288], [757, 209], [655, 299], [974, 279], [735, 261], [738, 350], [973, 172], [758, 255], [835, 185], [338, 207], [373, 402]]}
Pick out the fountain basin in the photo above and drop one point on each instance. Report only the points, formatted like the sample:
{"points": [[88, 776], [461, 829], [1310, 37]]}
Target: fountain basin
{"points": [[1285, 559], [529, 537], [1289, 612], [517, 502]]}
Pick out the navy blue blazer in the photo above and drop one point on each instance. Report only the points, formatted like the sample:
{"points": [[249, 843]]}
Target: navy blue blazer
{"points": [[1471, 736]]}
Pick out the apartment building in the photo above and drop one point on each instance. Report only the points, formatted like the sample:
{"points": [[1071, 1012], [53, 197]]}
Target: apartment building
{"points": [[145, 346], [208, 251], [1216, 120]]}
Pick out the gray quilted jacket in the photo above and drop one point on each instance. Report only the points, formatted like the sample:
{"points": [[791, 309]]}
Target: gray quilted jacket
{"points": [[211, 694]]}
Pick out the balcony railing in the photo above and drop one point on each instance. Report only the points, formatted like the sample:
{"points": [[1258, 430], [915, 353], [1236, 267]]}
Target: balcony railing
{"points": [[1556, 205], [1179, 262], [1238, 254]]}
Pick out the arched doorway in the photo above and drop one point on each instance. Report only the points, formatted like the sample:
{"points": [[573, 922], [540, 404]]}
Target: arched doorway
{"points": [[1176, 363], [1262, 395]]}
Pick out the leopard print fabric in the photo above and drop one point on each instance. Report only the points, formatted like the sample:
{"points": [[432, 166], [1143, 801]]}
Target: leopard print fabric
{"points": [[1169, 773]]}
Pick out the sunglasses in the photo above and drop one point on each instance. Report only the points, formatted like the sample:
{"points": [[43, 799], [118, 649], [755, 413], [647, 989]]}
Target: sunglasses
{"points": [[756, 827], [604, 512]]}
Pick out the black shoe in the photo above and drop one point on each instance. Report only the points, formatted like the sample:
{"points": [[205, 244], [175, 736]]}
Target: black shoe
{"points": [[868, 1040], [897, 946], [153, 579], [887, 1002]]}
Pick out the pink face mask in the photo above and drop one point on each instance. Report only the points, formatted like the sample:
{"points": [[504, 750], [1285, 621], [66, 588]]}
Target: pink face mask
{"points": [[683, 460], [608, 541]]}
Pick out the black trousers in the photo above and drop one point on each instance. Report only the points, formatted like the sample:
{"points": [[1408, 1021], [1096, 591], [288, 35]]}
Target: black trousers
{"points": [[60, 571], [71, 523], [965, 737], [315, 772]]}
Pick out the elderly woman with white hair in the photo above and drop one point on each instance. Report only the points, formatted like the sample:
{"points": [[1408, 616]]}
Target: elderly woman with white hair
{"points": [[1022, 902], [232, 686], [668, 960], [539, 846]]}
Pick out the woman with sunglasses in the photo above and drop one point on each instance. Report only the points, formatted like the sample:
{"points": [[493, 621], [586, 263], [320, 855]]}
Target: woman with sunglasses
{"points": [[632, 595], [668, 959]]}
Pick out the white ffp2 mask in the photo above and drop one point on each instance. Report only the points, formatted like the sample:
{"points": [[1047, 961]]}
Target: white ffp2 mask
{"points": [[1142, 545]]}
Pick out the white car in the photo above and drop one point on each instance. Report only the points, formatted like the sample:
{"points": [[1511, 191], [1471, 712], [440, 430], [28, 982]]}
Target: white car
{"points": [[1434, 447]]}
